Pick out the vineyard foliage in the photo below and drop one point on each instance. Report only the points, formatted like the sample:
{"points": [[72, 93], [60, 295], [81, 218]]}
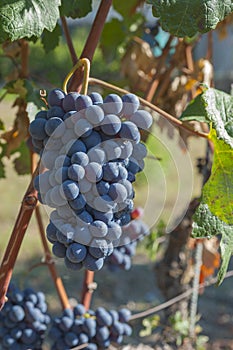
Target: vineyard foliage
{"points": [[180, 18]]}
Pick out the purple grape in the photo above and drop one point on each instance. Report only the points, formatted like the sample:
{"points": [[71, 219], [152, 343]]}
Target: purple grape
{"points": [[37, 129], [92, 140], [76, 172], [41, 114], [59, 250], [111, 125], [97, 154], [129, 131], [92, 263], [55, 112], [69, 190], [82, 102], [80, 158], [83, 128], [96, 98], [53, 124], [55, 97], [93, 172], [142, 119], [76, 252], [94, 114], [68, 103], [117, 192], [78, 203], [102, 187], [112, 104], [130, 104], [98, 228], [77, 146]]}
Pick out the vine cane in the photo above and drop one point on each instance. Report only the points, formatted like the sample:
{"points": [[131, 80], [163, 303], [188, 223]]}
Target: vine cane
{"points": [[21, 224]]}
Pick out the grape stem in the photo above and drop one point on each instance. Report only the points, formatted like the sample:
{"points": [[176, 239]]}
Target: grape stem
{"points": [[173, 120], [87, 289], [85, 64], [178, 298]]}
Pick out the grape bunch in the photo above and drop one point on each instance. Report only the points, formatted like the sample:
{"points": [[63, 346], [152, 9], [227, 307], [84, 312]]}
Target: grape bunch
{"points": [[91, 151], [100, 328], [23, 320], [121, 256]]}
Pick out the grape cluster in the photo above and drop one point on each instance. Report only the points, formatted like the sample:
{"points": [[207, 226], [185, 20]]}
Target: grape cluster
{"points": [[121, 256], [91, 150], [23, 320], [100, 328]]}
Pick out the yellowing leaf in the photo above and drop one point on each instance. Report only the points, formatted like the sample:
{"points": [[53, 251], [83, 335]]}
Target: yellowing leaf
{"points": [[218, 191], [17, 87]]}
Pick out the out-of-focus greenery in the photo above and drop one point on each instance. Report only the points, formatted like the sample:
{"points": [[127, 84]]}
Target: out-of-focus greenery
{"points": [[49, 69]]}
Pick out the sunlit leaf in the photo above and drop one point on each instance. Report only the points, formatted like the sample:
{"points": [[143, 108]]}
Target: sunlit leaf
{"points": [[27, 18], [188, 17], [214, 107]]}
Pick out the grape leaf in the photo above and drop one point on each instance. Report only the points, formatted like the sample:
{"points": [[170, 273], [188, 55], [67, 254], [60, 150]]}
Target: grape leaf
{"points": [[111, 28], [22, 162], [213, 107], [206, 224], [75, 8], [125, 30], [215, 213], [26, 90], [50, 40], [125, 7], [218, 191], [188, 17], [27, 18], [17, 87], [216, 109]]}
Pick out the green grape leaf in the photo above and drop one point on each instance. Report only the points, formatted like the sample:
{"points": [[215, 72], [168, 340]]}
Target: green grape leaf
{"points": [[121, 31], [215, 214], [27, 18], [125, 7], [206, 224], [22, 162], [110, 30], [188, 17], [50, 40], [26, 90], [75, 8], [218, 191], [214, 107], [17, 87]]}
